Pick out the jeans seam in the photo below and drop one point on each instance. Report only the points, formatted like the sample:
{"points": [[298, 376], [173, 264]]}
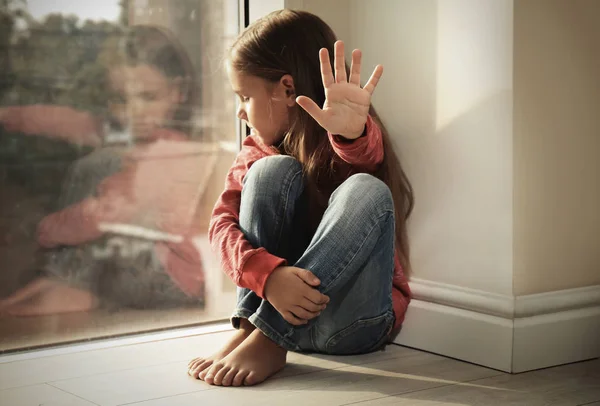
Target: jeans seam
{"points": [[272, 334], [286, 196], [339, 274], [387, 315]]}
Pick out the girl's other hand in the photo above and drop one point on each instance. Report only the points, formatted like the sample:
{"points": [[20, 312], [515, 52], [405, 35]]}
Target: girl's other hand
{"points": [[346, 105], [292, 293]]}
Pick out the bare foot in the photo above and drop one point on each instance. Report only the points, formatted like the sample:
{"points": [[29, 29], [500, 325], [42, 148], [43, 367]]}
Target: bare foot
{"points": [[28, 291], [253, 361], [48, 297], [198, 367]]}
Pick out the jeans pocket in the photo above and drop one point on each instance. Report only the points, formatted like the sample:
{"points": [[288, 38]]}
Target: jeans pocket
{"points": [[362, 336]]}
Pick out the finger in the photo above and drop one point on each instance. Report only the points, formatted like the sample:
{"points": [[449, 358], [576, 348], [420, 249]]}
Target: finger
{"points": [[374, 79], [340, 62], [326, 73], [292, 319], [311, 108], [316, 297], [308, 277], [355, 67], [304, 314], [311, 307]]}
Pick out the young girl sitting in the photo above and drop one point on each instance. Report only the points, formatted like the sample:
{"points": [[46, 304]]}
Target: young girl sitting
{"points": [[312, 223]]}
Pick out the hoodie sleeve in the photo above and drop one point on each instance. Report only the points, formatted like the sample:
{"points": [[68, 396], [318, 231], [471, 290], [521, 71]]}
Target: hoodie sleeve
{"points": [[248, 266], [365, 152]]}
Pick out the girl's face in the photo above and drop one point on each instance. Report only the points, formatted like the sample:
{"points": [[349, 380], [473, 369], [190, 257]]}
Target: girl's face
{"points": [[263, 105], [145, 99]]}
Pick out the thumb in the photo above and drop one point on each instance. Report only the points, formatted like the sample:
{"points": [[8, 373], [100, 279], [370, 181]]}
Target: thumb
{"points": [[311, 108], [308, 277]]}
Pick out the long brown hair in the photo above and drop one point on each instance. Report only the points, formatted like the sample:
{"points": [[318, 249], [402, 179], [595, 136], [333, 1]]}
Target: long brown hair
{"points": [[288, 42]]}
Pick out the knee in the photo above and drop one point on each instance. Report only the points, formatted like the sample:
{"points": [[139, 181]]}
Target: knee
{"points": [[362, 192], [269, 174]]}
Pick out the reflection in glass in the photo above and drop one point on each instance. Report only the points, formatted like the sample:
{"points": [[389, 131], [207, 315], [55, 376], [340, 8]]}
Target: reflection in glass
{"points": [[108, 163]]}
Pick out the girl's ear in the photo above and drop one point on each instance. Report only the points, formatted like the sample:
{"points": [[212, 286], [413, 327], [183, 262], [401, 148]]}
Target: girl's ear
{"points": [[287, 84]]}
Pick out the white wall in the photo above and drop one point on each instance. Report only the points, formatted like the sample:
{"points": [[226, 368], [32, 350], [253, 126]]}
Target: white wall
{"points": [[557, 145], [260, 8]]}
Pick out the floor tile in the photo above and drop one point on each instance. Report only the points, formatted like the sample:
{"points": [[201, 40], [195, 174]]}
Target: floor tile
{"points": [[38, 395], [134, 385], [76, 365], [568, 385]]}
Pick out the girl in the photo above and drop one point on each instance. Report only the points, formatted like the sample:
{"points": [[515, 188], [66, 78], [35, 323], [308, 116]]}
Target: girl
{"points": [[312, 223], [87, 257]]}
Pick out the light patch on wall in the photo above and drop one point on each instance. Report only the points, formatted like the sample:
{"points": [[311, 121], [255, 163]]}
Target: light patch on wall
{"points": [[474, 55]]}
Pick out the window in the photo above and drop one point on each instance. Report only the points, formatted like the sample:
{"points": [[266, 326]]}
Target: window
{"points": [[117, 128]]}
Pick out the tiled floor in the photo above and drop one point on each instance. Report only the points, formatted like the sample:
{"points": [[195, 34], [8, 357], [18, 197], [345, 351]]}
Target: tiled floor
{"points": [[154, 374]]}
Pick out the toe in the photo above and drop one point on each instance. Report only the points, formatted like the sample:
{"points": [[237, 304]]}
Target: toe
{"points": [[212, 372], [205, 365], [191, 370], [238, 380], [228, 378], [194, 373], [194, 361], [251, 379], [220, 375], [200, 367]]}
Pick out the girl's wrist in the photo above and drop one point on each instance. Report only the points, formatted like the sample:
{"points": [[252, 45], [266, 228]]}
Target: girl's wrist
{"points": [[352, 137]]}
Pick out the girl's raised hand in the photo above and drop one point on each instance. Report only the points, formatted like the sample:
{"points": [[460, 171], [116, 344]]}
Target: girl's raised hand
{"points": [[346, 105]]}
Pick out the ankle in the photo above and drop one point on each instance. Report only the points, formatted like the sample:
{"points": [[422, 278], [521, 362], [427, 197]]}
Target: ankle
{"points": [[246, 326]]}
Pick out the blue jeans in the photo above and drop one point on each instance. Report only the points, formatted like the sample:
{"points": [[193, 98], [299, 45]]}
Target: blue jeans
{"points": [[351, 252]]}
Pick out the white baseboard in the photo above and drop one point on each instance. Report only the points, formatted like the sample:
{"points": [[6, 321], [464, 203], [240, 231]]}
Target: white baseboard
{"points": [[512, 334], [463, 334], [556, 338]]}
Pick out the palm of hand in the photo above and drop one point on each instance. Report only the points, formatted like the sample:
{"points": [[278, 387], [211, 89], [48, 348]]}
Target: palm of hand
{"points": [[346, 109], [346, 106]]}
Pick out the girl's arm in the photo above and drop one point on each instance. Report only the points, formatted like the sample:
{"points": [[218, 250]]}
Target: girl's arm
{"points": [[79, 223], [247, 266], [365, 152], [61, 122]]}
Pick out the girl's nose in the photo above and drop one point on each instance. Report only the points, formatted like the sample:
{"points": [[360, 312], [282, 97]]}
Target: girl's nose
{"points": [[241, 113]]}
